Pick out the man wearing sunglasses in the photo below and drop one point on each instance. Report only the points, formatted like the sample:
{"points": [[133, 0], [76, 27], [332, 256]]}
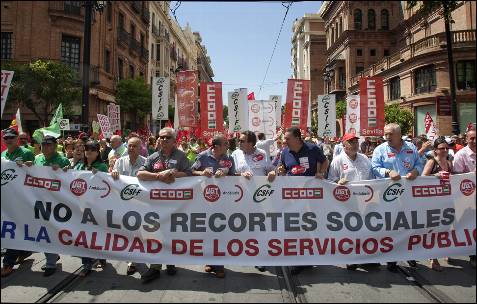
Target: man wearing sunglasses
{"points": [[165, 165], [18, 154]]}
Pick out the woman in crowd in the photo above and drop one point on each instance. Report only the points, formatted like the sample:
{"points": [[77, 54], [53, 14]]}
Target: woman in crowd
{"points": [[91, 162], [439, 166], [78, 152]]}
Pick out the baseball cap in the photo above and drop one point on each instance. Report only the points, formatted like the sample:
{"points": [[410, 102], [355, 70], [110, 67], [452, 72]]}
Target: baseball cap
{"points": [[448, 140], [349, 136], [10, 133], [48, 139]]}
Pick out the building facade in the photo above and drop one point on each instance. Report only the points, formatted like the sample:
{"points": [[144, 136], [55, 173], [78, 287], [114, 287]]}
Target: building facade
{"points": [[408, 49], [308, 54], [54, 30]]}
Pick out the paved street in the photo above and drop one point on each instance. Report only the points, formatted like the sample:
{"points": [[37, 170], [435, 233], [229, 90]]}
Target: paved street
{"points": [[242, 284]]}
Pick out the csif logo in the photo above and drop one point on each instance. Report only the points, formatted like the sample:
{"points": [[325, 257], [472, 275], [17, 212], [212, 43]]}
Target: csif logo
{"points": [[393, 192], [7, 176], [130, 191], [262, 194]]}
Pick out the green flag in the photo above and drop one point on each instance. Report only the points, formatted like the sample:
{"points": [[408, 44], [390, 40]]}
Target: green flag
{"points": [[53, 129]]}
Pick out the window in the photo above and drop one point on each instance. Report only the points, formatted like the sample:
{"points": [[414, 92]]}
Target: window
{"points": [[133, 31], [70, 51], [341, 25], [7, 45], [158, 52], [107, 61], [141, 74], [72, 7], [372, 52], [131, 71], [359, 69], [109, 12], [142, 39], [465, 74], [359, 52], [386, 52], [120, 68], [121, 21], [384, 19], [371, 19], [152, 51], [341, 78], [358, 18], [425, 79], [394, 88]]}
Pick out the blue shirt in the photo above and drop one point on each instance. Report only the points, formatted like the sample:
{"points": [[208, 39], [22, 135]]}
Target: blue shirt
{"points": [[387, 158], [206, 159], [304, 162]]}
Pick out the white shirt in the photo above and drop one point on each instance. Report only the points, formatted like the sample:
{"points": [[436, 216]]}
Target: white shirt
{"points": [[124, 167], [255, 162], [265, 146], [352, 170]]}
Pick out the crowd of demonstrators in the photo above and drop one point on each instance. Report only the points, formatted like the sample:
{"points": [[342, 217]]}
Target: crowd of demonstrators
{"points": [[165, 158]]}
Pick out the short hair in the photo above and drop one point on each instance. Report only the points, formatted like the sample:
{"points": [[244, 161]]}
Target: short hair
{"points": [[295, 131], [169, 130], [251, 137], [218, 140], [116, 137], [260, 136], [394, 127], [439, 141], [136, 138]]}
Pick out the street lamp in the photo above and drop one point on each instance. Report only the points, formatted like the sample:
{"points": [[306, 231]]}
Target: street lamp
{"points": [[327, 76], [89, 6]]}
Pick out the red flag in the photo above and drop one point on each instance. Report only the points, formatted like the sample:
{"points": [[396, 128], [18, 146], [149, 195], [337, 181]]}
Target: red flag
{"points": [[187, 98], [296, 107], [211, 118], [470, 127], [251, 96], [371, 106]]}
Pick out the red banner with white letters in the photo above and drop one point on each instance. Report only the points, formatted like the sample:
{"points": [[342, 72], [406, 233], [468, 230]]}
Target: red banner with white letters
{"points": [[296, 108], [211, 109], [187, 98], [371, 106]]}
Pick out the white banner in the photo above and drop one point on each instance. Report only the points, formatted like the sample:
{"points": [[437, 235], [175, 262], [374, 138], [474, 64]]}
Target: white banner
{"points": [[327, 115], [235, 221], [262, 119], [238, 110], [352, 114], [65, 124], [105, 125], [7, 77], [114, 117], [160, 98], [277, 99]]}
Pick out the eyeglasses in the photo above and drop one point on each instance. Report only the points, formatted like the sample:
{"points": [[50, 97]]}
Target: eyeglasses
{"points": [[165, 137]]}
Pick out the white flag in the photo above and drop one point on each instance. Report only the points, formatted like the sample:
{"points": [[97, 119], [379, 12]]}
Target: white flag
{"points": [[238, 110], [160, 97], [327, 115]]}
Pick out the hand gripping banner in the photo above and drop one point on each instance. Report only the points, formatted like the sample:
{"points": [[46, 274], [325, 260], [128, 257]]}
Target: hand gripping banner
{"points": [[235, 221]]}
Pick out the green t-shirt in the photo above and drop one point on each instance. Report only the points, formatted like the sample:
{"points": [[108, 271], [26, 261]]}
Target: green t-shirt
{"points": [[19, 154], [56, 159], [100, 166], [191, 155]]}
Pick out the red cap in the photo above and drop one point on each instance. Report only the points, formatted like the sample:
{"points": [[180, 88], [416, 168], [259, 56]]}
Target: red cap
{"points": [[348, 137]]}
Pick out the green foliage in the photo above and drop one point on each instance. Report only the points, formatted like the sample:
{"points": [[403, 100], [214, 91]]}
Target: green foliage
{"points": [[134, 96], [340, 108], [42, 85], [226, 114], [403, 117]]}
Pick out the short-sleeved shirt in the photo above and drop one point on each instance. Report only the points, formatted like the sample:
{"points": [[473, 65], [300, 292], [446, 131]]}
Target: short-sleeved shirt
{"points": [[124, 166], [19, 154], [56, 159], [265, 145], [206, 159], [386, 157], [98, 165], [255, 162], [158, 162], [304, 162], [464, 160], [352, 170]]}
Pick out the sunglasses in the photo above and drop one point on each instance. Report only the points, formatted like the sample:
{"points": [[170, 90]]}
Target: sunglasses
{"points": [[165, 137]]}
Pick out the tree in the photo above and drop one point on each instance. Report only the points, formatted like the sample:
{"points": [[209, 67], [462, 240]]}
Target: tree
{"points": [[403, 117], [340, 109], [226, 114], [134, 97], [42, 85]]}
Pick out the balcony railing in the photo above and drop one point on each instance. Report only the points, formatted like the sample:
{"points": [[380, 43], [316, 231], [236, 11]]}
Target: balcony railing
{"points": [[70, 8], [123, 37], [134, 45], [93, 74], [424, 46], [144, 54], [145, 16]]}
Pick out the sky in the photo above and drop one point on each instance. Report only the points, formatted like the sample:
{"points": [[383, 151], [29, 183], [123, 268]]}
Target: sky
{"points": [[240, 36]]}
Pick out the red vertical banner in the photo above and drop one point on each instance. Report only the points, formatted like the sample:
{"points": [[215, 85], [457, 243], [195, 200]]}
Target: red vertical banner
{"points": [[211, 109], [187, 98], [296, 108], [371, 106]]}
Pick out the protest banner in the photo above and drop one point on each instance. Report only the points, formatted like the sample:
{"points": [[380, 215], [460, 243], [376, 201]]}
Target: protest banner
{"points": [[160, 97], [236, 221], [7, 77], [114, 116], [105, 125], [371, 106], [238, 110], [211, 109], [430, 127], [296, 108], [352, 115], [187, 99], [262, 119], [277, 99], [327, 115], [64, 124]]}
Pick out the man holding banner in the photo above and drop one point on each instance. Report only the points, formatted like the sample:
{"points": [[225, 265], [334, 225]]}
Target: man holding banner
{"points": [[395, 158]]}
